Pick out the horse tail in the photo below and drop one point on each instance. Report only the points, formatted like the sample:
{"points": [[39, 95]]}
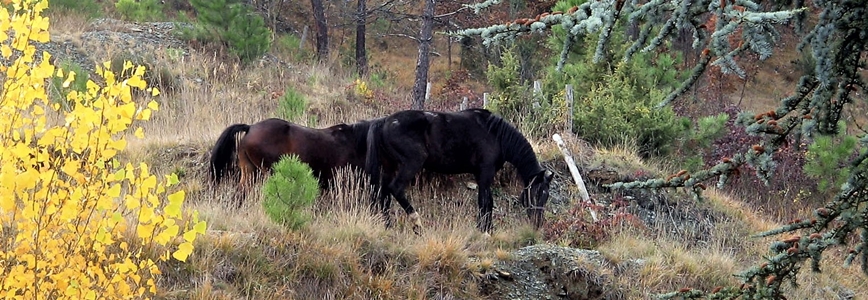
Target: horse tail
{"points": [[224, 150], [372, 159]]}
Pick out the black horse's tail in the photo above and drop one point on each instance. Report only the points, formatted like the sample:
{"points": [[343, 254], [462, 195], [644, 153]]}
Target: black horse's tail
{"points": [[224, 150], [372, 159]]}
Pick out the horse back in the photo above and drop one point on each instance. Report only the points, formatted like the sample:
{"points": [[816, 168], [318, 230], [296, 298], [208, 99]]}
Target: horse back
{"points": [[451, 143], [270, 139]]}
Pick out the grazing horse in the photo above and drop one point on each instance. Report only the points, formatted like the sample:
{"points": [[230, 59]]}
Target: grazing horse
{"points": [[472, 141], [266, 141]]}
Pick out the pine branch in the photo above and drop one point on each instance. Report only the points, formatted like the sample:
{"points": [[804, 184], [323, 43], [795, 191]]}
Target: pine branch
{"points": [[697, 72]]}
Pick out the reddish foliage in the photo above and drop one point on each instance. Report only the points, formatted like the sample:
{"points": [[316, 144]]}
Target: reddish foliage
{"points": [[453, 92], [580, 232]]}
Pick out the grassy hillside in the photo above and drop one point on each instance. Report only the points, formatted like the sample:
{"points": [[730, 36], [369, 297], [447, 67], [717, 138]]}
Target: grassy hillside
{"points": [[648, 242]]}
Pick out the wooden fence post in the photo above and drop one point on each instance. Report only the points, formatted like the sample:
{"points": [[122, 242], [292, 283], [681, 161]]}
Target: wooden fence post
{"points": [[569, 99], [571, 164], [463, 103], [303, 36], [485, 100]]}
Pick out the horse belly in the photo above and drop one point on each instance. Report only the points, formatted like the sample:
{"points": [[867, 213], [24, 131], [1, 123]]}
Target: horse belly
{"points": [[450, 165]]}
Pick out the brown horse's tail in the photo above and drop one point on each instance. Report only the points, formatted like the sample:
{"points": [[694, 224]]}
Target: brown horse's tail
{"points": [[224, 151]]}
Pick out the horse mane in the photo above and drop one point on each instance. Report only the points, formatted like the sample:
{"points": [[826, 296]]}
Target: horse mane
{"points": [[514, 146]]}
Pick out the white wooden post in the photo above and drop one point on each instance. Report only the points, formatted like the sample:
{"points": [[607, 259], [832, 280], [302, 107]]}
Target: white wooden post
{"points": [[569, 99], [537, 93], [485, 100], [583, 191], [427, 92], [464, 103]]}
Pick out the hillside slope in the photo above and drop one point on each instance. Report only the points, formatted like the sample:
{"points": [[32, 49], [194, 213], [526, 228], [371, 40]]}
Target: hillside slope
{"points": [[645, 242]]}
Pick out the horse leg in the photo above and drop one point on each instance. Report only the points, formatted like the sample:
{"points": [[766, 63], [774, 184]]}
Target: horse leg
{"points": [[382, 201], [486, 204], [247, 177], [398, 188]]}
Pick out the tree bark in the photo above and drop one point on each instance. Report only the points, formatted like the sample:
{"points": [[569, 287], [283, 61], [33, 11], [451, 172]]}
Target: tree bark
{"points": [[322, 30], [422, 65], [361, 55]]}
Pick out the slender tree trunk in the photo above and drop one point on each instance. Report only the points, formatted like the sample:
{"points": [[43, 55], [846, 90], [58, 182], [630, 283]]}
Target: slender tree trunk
{"points": [[422, 65], [361, 56], [322, 30]]}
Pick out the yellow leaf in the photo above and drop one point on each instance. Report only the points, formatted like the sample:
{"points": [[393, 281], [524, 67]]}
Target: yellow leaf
{"points": [[69, 79], [145, 231], [200, 227], [184, 251], [139, 133], [145, 115], [155, 91], [149, 183], [167, 234], [136, 82], [114, 191], [119, 175], [5, 50], [172, 179], [176, 200]]}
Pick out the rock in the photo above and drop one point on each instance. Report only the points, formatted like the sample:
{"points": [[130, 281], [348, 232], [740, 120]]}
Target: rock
{"points": [[471, 185], [550, 272]]}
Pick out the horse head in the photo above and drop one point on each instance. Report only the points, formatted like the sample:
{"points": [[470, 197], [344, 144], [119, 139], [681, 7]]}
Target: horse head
{"points": [[535, 196], [353, 139]]}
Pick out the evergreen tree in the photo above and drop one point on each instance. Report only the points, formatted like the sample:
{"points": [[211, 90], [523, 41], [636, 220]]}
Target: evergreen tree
{"points": [[232, 24], [289, 192], [248, 38], [724, 30]]}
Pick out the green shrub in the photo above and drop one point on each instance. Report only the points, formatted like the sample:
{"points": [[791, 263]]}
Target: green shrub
{"points": [[232, 24], [291, 105], [140, 10], [89, 8], [79, 84], [291, 45], [618, 111], [699, 140], [827, 159], [289, 191], [508, 99]]}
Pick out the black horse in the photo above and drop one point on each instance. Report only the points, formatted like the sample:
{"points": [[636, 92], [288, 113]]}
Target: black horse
{"points": [[471, 141], [265, 142]]}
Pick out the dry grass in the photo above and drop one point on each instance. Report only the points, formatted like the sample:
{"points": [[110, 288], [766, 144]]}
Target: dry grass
{"points": [[66, 25]]}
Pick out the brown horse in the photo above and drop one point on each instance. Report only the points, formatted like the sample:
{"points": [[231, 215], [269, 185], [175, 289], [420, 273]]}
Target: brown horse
{"points": [[266, 141]]}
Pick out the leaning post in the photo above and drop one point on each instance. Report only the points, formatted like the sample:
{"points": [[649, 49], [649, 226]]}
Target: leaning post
{"points": [[571, 164]]}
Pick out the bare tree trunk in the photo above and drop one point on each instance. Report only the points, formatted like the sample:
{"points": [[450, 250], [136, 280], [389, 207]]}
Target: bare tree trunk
{"points": [[322, 30], [422, 65], [361, 56]]}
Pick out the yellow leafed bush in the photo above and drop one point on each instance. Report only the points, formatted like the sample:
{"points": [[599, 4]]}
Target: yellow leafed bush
{"points": [[74, 222]]}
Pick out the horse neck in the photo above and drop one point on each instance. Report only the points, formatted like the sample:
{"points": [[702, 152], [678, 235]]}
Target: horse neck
{"points": [[515, 148]]}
